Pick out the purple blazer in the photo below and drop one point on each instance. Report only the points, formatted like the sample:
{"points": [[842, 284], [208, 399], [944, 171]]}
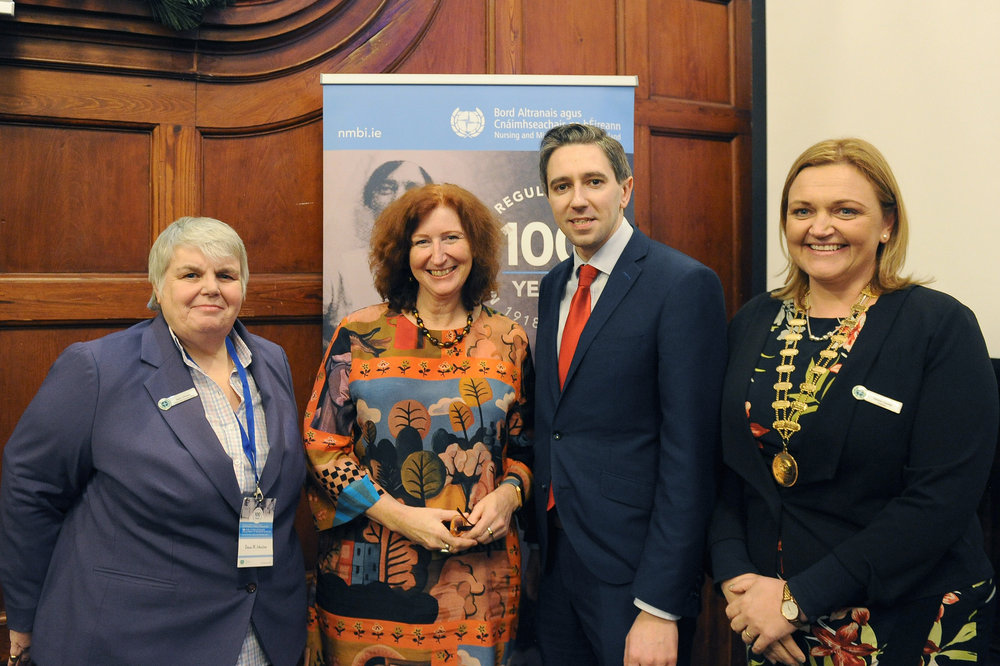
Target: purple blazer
{"points": [[119, 519]]}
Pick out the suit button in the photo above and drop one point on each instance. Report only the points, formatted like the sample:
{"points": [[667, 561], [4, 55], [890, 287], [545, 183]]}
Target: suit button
{"points": [[251, 588], [557, 436]]}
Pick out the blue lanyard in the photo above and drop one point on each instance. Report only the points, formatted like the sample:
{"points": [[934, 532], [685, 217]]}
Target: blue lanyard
{"points": [[249, 443]]}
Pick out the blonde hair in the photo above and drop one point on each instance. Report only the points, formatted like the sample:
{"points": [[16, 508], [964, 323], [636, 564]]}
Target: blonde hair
{"points": [[867, 159]]}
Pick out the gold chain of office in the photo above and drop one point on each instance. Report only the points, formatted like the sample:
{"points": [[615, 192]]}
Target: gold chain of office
{"points": [[784, 467]]}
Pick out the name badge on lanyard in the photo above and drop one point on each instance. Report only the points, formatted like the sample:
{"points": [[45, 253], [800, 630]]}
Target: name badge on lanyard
{"points": [[255, 547], [256, 544]]}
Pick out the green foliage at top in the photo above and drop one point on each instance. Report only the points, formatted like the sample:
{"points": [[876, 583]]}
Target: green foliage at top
{"points": [[183, 14]]}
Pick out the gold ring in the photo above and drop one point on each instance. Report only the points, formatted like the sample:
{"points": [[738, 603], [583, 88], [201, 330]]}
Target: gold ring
{"points": [[447, 548], [747, 637], [490, 530]]}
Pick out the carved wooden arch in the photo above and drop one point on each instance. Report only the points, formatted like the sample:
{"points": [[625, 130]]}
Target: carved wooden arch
{"points": [[224, 119], [246, 44]]}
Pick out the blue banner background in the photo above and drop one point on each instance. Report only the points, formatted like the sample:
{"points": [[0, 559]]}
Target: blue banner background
{"points": [[416, 143], [447, 117]]}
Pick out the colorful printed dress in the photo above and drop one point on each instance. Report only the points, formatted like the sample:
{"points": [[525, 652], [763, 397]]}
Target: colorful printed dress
{"points": [[857, 636], [435, 427]]}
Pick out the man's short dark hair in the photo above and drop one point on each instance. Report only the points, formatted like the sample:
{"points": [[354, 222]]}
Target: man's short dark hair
{"points": [[576, 133]]}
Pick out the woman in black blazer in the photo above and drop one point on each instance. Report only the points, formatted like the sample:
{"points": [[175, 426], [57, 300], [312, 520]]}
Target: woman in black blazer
{"points": [[859, 423]]}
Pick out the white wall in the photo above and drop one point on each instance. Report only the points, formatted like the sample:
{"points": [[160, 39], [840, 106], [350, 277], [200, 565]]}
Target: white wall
{"points": [[920, 79]]}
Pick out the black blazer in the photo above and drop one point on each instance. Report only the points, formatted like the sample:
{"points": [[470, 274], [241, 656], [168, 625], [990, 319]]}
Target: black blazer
{"points": [[884, 509], [630, 442]]}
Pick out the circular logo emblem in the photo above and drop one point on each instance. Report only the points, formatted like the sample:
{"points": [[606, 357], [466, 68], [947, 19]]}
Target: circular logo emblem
{"points": [[467, 124]]}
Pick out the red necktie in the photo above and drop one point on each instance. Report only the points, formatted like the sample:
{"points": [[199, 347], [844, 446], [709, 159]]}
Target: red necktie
{"points": [[579, 312]]}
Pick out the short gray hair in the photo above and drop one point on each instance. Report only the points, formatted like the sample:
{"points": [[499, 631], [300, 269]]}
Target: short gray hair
{"points": [[213, 238]]}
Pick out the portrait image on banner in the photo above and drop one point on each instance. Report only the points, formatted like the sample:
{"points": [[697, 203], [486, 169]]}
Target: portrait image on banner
{"points": [[393, 136]]}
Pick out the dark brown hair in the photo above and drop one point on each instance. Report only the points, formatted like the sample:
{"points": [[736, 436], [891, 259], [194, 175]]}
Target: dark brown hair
{"points": [[575, 133], [390, 244]]}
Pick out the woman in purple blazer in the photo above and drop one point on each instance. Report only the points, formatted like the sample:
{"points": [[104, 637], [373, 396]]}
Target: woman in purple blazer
{"points": [[149, 491]]}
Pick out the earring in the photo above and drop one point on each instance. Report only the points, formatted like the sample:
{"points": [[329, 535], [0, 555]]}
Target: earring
{"points": [[885, 236]]}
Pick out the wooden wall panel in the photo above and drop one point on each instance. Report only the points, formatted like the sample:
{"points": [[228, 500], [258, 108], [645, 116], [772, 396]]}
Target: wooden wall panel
{"points": [[45, 228], [693, 56], [691, 214], [268, 185], [560, 38], [692, 103], [454, 42], [112, 126]]}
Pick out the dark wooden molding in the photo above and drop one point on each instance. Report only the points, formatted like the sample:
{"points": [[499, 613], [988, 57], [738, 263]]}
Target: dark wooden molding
{"points": [[48, 299]]}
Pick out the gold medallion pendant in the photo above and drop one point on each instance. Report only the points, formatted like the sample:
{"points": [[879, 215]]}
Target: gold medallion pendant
{"points": [[785, 469]]}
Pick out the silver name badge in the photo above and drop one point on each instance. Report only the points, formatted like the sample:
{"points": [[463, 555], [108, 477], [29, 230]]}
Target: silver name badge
{"points": [[176, 399], [885, 402]]}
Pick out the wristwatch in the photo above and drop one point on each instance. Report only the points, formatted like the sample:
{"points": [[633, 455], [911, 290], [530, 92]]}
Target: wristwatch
{"points": [[789, 607], [514, 480]]}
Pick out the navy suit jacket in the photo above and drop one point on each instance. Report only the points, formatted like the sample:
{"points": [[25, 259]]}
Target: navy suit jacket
{"points": [[119, 519], [630, 443]]}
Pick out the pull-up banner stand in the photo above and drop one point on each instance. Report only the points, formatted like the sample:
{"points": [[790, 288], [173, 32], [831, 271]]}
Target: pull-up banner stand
{"points": [[386, 133]]}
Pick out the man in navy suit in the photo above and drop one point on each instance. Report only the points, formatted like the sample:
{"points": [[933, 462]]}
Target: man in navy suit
{"points": [[627, 437]]}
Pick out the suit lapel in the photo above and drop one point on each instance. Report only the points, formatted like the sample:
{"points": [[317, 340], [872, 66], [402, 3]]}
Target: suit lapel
{"points": [[827, 432], [547, 354], [623, 277], [186, 419]]}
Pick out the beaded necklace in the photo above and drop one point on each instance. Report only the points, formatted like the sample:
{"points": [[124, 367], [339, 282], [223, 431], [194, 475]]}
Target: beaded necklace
{"points": [[784, 467], [447, 344]]}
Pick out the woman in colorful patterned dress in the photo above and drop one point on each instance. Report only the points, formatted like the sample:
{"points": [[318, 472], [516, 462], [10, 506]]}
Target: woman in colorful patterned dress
{"points": [[859, 422], [419, 436]]}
